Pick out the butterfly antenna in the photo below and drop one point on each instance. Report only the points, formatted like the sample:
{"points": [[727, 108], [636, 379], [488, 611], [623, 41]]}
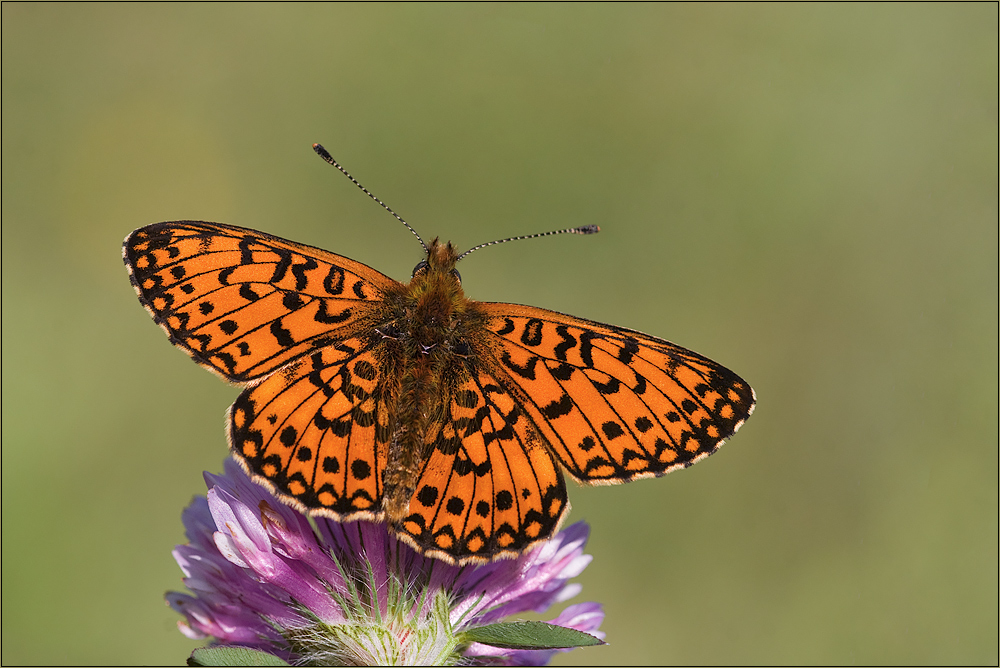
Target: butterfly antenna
{"points": [[586, 229], [323, 153]]}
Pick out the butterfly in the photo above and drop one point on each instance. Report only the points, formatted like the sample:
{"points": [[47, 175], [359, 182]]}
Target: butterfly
{"points": [[450, 420]]}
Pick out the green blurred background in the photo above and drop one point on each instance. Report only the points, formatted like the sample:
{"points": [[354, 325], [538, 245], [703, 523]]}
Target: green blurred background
{"points": [[807, 194]]}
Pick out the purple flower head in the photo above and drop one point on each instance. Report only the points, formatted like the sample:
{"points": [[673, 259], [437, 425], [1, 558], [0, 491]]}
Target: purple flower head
{"points": [[312, 590]]}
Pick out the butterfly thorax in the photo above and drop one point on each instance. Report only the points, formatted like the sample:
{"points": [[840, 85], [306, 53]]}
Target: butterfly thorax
{"points": [[437, 320], [435, 301]]}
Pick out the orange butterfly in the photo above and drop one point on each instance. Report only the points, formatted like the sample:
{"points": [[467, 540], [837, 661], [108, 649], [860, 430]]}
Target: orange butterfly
{"points": [[447, 418]]}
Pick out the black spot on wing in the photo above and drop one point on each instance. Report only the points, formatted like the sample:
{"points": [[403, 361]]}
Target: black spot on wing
{"points": [[610, 387], [643, 424], [562, 372], [587, 347], [334, 281], [427, 495], [327, 318], [360, 469], [532, 334], [629, 348], [455, 506], [299, 271], [282, 266], [292, 301], [568, 342], [283, 336], [504, 500], [558, 408], [227, 361], [612, 430], [527, 371], [288, 436], [246, 291], [246, 253]]}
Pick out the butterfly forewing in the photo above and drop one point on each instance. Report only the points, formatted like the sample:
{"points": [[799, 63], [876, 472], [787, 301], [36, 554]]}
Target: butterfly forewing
{"points": [[490, 486], [317, 431], [243, 303], [614, 404]]}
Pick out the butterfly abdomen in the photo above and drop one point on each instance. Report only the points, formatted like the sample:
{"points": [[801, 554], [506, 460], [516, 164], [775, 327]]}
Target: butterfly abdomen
{"points": [[417, 408]]}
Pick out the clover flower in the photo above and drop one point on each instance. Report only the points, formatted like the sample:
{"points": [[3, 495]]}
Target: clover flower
{"points": [[314, 591]]}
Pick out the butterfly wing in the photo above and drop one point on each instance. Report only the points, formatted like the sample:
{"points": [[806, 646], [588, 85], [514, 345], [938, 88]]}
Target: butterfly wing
{"points": [[489, 487], [243, 303], [614, 404], [317, 431]]}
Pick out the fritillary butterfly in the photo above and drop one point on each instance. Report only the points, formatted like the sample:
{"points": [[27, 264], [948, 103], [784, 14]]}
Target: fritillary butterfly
{"points": [[446, 418]]}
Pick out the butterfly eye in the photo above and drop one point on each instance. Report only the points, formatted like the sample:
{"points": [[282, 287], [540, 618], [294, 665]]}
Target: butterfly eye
{"points": [[462, 348], [421, 266], [458, 276]]}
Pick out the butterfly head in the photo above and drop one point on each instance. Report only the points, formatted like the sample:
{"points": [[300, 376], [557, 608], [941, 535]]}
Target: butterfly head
{"points": [[440, 262]]}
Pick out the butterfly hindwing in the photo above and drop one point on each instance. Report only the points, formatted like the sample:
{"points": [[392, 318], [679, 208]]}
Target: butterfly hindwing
{"points": [[614, 404], [317, 431], [489, 486], [244, 303]]}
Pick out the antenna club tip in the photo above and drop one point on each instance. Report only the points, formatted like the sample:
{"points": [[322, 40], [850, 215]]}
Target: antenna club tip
{"points": [[320, 150], [588, 229]]}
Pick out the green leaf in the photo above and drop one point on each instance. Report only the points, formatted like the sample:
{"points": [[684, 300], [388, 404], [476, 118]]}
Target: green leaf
{"points": [[233, 656], [529, 635]]}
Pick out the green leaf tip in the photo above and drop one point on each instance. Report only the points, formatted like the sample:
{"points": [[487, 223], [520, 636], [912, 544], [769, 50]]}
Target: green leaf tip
{"points": [[233, 656], [529, 635]]}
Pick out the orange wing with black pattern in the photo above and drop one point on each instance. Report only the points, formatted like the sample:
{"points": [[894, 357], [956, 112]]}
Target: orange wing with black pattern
{"points": [[317, 432], [489, 487], [614, 404], [243, 303]]}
